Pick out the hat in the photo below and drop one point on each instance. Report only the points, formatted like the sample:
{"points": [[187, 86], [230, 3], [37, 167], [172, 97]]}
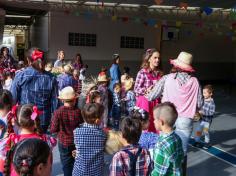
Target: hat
{"points": [[67, 68], [102, 78], [114, 142], [183, 61], [68, 93], [128, 84]]}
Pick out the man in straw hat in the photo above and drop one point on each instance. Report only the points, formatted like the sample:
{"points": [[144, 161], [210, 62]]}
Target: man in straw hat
{"points": [[64, 121], [182, 89]]}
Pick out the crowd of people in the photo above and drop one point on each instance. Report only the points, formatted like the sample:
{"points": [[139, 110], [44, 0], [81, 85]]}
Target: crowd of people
{"points": [[145, 123]]}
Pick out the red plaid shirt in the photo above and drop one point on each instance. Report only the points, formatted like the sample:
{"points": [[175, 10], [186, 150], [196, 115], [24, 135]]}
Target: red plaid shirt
{"points": [[64, 121]]}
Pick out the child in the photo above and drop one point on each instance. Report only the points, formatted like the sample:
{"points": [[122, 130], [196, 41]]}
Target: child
{"points": [[95, 97], [103, 89], [78, 86], [33, 157], [130, 98], [132, 159], [89, 141], [168, 152], [7, 80], [48, 67], [29, 123], [207, 112], [91, 88], [147, 139], [116, 106], [64, 121]]}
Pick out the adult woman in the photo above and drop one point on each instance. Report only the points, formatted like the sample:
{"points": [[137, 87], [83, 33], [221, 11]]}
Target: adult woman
{"points": [[146, 78], [7, 61], [33, 157], [35, 86], [115, 73], [182, 89], [77, 63]]}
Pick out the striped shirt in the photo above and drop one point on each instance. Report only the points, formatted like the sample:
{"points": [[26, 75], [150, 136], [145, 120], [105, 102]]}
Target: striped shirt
{"points": [[168, 155], [33, 87], [90, 143]]}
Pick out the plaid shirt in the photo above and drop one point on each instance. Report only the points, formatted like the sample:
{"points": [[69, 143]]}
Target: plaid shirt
{"points": [[168, 155], [120, 164], [183, 78], [65, 80], [33, 87], [208, 110], [142, 82], [90, 143], [64, 121], [130, 99], [116, 99], [148, 140]]}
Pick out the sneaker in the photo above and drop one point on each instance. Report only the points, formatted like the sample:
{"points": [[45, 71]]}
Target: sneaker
{"points": [[206, 146]]}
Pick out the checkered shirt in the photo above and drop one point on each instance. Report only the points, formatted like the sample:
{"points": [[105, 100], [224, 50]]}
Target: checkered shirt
{"points": [[130, 100], [33, 87], [65, 80], [89, 142], [64, 121], [208, 110], [148, 140], [183, 77], [116, 99], [168, 155], [142, 82], [120, 164]]}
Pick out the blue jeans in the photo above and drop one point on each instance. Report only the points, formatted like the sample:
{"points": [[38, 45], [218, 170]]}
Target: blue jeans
{"points": [[116, 115], [67, 159]]}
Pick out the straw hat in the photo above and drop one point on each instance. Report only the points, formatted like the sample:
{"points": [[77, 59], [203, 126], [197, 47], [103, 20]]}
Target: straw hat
{"points": [[184, 62], [102, 78], [128, 84], [68, 93], [67, 68], [113, 142]]}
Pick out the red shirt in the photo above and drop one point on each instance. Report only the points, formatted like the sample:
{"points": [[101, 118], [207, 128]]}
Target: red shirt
{"points": [[64, 121]]}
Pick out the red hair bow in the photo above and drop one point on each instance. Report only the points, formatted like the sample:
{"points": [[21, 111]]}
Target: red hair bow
{"points": [[14, 109], [36, 54], [35, 113]]}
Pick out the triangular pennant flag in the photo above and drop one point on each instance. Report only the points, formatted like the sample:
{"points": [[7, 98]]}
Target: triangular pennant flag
{"points": [[159, 2], [125, 19], [114, 18], [178, 23], [207, 10], [151, 22], [183, 5], [137, 20]]}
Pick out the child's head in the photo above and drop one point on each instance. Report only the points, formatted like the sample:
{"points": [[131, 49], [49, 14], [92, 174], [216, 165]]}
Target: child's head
{"points": [[6, 100], [68, 96], [95, 97], [26, 120], [92, 113], [207, 91], [126, 70], [117, 88], [131, 130], [165, 115], [76, 74], [141, 115], [33, 157], [48, 67]]}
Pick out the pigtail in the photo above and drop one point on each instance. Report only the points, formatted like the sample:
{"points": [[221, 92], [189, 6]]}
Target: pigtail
{"points": [[8, 161], [38, 128]]}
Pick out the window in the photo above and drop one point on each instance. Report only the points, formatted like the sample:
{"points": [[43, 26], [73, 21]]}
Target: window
{"points": [[78, 39], [131, 42]]}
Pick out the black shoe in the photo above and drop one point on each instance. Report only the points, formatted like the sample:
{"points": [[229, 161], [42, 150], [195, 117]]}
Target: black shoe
{"points": [[206, 146], [197, 144]]}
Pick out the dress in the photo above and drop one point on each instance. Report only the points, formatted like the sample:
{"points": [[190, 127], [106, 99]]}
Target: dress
{"points": [[144, 80]]}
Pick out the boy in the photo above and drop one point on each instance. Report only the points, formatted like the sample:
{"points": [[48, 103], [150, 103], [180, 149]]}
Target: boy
{"points": [[65, 120], [207, 111], [168, 152], [89, 141], [132, 160]]}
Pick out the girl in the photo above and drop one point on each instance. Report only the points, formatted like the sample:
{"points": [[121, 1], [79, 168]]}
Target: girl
{"points": [[147, 139], [78, 62], [29, 123], [148, 75], [8, 75], [33, 157], [78, 85], [95, 97]]}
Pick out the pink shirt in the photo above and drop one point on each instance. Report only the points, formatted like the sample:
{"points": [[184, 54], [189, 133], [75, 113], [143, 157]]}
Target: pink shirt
{"points": [[183, 96]]}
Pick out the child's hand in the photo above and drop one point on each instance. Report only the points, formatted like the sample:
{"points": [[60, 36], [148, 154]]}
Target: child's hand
{"points": [[74, 153]]}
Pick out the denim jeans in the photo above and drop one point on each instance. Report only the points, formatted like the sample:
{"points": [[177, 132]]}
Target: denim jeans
{"points": [[67, 159], [116, 115], [184, 128]]}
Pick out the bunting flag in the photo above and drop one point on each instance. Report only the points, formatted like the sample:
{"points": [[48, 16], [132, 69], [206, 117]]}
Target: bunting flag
{"points": [[151, 22], [156, 26], [234, 25], [125, 19], [158, 2], [67, 12], [207, 10], [77, 13], [199, 24], [137, 20], [183, 5], [114, 18]]}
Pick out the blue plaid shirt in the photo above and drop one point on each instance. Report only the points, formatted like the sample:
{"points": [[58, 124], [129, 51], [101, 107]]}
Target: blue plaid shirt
{"points": [[208, 110], [89, 142], [33, 87], [130, 100], [65, 80]]}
